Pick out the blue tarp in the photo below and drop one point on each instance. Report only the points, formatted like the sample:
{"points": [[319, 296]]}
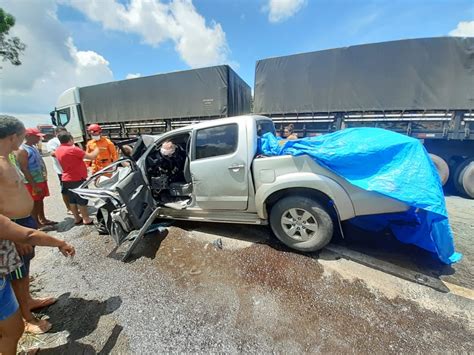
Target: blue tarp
{"points": [[389, 163]]}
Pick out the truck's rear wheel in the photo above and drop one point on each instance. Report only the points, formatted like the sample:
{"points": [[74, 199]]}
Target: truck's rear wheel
{"points": [[301, 223], [464, 178], [441, 166], [468, 179]]}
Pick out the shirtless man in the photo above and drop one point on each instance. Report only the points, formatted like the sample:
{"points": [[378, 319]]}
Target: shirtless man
{"points": [[11, 137], [12, 133]]}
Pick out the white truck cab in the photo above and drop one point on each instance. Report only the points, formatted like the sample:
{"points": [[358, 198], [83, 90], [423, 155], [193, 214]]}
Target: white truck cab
{"points": [[67, 114]]}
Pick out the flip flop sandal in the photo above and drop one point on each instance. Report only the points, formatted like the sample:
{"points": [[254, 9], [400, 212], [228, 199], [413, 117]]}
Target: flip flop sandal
{"points": [[50, 223]]}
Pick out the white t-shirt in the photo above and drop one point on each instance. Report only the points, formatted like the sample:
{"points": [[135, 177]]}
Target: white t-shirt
{"points": [[51, 146]]}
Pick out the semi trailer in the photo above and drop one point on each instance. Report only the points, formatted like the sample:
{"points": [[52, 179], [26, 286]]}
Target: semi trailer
{"points": [[153, 104], [423, 88]]}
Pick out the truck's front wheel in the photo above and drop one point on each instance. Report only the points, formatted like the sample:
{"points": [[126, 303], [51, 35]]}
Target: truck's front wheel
{"points": [[301, 223]]}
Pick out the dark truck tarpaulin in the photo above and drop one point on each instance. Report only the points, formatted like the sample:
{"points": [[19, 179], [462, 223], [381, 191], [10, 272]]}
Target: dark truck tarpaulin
{"points": [[206, 92], [418, 74]]}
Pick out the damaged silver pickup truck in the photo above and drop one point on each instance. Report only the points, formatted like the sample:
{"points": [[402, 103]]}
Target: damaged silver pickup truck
{"points": [[224, 180]]}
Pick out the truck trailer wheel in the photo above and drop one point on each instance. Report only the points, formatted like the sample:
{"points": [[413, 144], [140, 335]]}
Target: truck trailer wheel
{"points": [[464, 178], [301, 223], [442, 168], [468, 179]]}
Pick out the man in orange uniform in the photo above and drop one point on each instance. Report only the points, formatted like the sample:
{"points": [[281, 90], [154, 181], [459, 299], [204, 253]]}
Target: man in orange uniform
{"points": [[107, 150]]}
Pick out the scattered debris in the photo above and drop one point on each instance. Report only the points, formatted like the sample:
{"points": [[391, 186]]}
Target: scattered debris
{"points": [[194, 271], [217, 243]]}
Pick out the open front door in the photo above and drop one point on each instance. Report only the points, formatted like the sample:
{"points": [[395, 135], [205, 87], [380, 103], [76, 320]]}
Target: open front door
{"points": [[137, 197], [127, 199]]}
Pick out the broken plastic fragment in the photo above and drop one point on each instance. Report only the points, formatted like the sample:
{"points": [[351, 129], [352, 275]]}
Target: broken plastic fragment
{"points": [[217, 243]]}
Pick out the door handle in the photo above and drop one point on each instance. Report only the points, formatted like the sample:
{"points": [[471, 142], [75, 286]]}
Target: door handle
{"points": [[236, 167]]}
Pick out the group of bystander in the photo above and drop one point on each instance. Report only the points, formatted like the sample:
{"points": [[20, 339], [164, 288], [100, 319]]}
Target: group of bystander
{"points": [[23, 189]]}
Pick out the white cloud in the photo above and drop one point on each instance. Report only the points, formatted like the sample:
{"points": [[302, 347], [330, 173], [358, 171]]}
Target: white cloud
{"points": [[464, 29], [281, 10], [359, 24], [199, 44], [133, 75], [51, 62], [31, 120]]}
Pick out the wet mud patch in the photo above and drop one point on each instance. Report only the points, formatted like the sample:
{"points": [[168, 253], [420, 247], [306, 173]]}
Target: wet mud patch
{"points": [[281, 301]]}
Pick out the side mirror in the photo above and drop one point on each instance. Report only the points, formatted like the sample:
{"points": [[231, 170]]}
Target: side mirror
{"points": [[53, 119]]}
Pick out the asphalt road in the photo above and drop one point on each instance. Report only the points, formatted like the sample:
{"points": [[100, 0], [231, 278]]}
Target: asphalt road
{"points": [[183, 292]]}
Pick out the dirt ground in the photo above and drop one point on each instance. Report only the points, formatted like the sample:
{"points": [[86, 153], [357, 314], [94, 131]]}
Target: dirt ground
{"points": [[230, 288]]}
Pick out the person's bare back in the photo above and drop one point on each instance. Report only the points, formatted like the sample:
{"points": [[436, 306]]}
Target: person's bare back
{"points": [[15, 201]]}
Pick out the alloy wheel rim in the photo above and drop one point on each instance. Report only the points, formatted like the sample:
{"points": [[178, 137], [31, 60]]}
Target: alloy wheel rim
{"points": [[299, 224]]}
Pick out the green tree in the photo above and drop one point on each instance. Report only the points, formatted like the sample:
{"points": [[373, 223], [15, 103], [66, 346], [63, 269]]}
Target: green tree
{"points": [[10, 47]]}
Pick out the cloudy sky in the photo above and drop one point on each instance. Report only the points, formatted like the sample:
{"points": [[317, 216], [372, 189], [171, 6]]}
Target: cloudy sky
{"points": [[83, 42]]}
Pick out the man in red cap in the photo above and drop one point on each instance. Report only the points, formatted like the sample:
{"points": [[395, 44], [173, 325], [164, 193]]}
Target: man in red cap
{"points": [[107, 150], [34, 170]]}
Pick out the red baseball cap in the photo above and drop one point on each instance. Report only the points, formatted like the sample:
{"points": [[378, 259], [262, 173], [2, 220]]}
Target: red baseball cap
{"points": [[94, 128], [33, 132]]}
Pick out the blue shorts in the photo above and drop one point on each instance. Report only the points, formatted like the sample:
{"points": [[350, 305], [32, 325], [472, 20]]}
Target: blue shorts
{"points": [[8, 302], [28, 222], [24, 270]]}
